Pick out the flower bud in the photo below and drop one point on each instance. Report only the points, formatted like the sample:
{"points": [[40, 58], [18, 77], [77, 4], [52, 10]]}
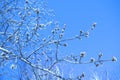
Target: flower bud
{"points": [[87, 34], [81, 76], [94, 25], [114, 58], [82, 54], [26, 1], [65, 44], [96, 65], [13, 66], [81, 31], [92, 60], [61, 35], [53, 31], [100, 55]]}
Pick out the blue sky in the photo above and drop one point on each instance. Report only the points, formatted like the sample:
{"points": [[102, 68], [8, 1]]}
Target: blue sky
{"points": [[79, 15]]}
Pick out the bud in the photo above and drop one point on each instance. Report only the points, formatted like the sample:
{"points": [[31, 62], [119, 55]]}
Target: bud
{"points": [[61, 35], [19, 13], [64, 26], [42, 25], [37, 11], [65, 44], [57, 28], [55, 41], [100, 55], [29, 13], [13, 66], [96, 65], [63, 30], [82, 54], [47, 60], [6, 57], [53, 31], [81, 32], [83, 75], [3, 54], [114, 58], [94, 25], [87, 34], [26, 1], [76, 59], [44, 39], [92, 60], [17, 38]]}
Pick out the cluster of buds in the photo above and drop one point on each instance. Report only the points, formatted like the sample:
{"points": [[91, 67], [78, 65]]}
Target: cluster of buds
{"points": [[54, 31], [57, 28], [81, 76], [62, 32], [42, 25], [86, 34]]}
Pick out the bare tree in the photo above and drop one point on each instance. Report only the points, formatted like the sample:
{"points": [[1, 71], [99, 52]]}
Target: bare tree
{"points": [[30, 40]]}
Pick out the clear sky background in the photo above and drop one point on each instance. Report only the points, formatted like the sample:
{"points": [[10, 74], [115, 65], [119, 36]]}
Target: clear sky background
{"points": [[79, 15]]}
